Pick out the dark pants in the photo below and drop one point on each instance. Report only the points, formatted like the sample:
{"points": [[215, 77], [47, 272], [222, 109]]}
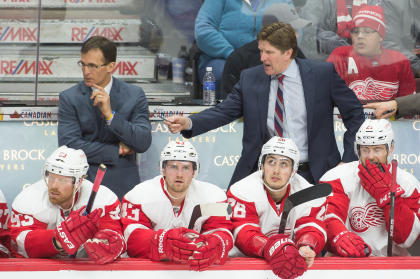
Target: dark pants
{"points": [[305, 171]]}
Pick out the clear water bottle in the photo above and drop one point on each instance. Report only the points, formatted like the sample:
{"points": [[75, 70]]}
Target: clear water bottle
{"points": [[209, 88]]}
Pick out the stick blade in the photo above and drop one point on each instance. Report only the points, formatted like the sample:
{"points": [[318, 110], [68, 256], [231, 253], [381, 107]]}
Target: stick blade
{"points": [[311, 193], [209, 210], [302, 196]]}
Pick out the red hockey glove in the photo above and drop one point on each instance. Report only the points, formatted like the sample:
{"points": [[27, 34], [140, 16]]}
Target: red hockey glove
{"points": [[377, 183], [283, 257], [211, 249], [105, 247], [176, 245], [4, 252], [76, 229], [349, 244]]}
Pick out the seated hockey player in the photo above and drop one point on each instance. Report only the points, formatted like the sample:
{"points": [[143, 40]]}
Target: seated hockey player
{"points": [[357, 217], [48, 220], [258, 200], [156, 214], [4, 233]]}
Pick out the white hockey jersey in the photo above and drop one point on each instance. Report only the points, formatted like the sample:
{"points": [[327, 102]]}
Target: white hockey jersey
{"points": [[32, 212], [253, 206], [147, 206], [358, 210]]}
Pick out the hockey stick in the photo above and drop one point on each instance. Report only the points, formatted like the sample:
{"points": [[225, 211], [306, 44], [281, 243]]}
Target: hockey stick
{"points": [[98, 179], [302, 196], [209, 210], [394, 164]]}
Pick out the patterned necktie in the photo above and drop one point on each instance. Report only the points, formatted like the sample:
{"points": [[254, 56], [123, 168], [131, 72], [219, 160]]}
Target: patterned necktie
{"points": [[279, 109]]}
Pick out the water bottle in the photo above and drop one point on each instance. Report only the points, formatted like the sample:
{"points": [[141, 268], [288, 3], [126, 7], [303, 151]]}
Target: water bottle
{"points": [[178, 65], [209, 88]]}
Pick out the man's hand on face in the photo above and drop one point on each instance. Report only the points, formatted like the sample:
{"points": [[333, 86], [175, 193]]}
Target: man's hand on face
{"points": [[102, 100]]}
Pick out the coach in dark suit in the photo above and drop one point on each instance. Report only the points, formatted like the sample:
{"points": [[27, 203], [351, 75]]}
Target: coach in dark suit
{"points": [[105, 117], [311, 89]]}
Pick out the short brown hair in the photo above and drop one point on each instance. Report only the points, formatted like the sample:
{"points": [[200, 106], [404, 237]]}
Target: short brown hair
{"points": [[107, 47], [280, 35]]}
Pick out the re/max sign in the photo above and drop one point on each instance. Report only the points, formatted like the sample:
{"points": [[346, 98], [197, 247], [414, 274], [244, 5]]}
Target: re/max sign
{"points": [[24, 67]]}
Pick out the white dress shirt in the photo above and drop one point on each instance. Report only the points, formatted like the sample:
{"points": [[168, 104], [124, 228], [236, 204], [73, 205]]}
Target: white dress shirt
{"points": [[295, 118]]}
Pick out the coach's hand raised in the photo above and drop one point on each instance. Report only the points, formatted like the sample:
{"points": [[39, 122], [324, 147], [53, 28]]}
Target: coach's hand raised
{"points": [[177, 123]]}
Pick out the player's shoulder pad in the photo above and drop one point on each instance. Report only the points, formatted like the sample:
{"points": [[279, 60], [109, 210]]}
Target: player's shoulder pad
{"points": [[250, 188], [104, 196], [206, 192], [344, 172], [299, 183], [2, 198], [32, 199], [145, 192], [408, 182]]}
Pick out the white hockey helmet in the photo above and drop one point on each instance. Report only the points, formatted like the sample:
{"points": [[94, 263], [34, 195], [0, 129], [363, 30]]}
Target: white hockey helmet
{"points": [[67, 162], [374, 132], [280, 146], [179, 151]]}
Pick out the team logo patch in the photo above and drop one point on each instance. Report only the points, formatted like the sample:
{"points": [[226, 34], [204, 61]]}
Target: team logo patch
{"points": [[362, 218], [371, 89]]}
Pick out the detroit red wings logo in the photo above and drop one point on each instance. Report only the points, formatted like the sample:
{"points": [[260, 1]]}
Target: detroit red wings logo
{"points": [[371, 89], [361, 218]]}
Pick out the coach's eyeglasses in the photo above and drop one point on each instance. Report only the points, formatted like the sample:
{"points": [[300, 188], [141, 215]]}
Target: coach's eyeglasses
{"points": [[90, 66]]}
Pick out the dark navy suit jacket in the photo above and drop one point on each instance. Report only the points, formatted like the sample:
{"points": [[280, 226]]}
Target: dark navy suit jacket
{"points": [[323, 89], [82, 126]]}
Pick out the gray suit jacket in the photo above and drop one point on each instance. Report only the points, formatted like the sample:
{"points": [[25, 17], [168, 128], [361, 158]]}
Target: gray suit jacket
{"points": [[323, 89], [408, 105], [82, 126]]}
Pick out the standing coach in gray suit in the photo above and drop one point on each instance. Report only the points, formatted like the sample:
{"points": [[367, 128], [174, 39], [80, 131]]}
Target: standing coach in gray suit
{"points": [[105, 117]]}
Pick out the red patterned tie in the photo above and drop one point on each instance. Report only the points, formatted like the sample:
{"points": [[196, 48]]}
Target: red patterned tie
{"points": [[279, 109]]}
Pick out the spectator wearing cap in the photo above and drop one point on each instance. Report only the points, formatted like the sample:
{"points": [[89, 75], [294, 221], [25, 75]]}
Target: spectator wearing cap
{"points": [[370, 70], [331, 24], [248, 55], [222, 26]]}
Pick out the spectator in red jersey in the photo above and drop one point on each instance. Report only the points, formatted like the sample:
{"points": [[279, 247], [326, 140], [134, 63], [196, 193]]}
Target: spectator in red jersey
{"points": [[370, 70]]}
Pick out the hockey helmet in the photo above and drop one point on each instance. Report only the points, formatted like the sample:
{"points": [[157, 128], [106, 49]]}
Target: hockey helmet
{"points": [[67, 162], [374, 132], [280, 146], [179, 151]]}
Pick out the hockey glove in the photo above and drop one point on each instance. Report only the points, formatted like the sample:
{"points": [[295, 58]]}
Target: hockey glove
{"points": [[211, 249], [176, 245], [105, 247], [349, 244], [76, 229], [283, 257], [377, 183]]}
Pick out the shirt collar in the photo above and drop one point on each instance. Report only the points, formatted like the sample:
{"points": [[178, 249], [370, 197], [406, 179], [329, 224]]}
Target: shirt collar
{"points": [[107, 88], [291, 71]]}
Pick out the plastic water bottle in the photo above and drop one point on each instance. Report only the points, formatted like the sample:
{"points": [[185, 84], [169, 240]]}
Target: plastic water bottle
{"points": [[209, 88]]}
